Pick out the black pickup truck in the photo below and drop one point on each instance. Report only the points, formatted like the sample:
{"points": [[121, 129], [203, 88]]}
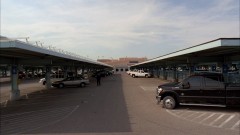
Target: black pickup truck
{"points": [[199, 89]]}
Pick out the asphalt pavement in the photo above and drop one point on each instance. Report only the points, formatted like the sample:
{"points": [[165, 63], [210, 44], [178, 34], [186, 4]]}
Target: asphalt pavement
{"points": [[122, 105]]}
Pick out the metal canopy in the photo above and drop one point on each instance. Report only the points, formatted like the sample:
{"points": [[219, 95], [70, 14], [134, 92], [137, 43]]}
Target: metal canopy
{"points": [[216, 50], [26, 53]]}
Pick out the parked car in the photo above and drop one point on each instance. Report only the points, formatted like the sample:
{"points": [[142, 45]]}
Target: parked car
{"points": [[199, 89], [42, 81], [21, 75], [102, 73], [132, 72], [140, 73], [53, 78], [71, 81]]}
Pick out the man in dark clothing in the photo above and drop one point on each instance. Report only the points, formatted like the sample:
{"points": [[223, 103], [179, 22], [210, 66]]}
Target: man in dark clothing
{"points": [[98, 79]]}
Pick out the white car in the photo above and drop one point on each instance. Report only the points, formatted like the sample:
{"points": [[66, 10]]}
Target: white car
{"points": [[71, 81], [43, 80], [132, 71], [140, 73]]}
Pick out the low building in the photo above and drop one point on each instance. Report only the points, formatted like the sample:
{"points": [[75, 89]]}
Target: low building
{"points": [[122, 64]]}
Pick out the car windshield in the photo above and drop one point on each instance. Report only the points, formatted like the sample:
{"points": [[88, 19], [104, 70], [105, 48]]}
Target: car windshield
{"points": [[79, 78]]}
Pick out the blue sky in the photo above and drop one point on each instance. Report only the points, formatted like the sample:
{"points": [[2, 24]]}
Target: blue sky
{"points": [[120, 28]]}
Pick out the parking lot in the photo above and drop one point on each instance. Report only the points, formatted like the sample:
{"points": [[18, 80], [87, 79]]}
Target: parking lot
{"points": [[213, 118], [121, 105]]}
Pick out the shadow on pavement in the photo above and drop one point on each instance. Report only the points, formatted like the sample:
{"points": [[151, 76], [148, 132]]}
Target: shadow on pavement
{"points": [[93, 109]]}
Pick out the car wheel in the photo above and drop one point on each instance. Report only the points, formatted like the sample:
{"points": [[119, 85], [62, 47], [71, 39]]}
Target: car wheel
{"points": [[146, 76], [133, 76], [44, 82], [169, 102], [61, 85], [82, 84]]}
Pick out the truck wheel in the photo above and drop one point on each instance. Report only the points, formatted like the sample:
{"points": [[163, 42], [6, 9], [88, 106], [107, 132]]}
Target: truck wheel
{"points": [[146, 76], [61, 85], [82, 84], [133, 76], [169, 102]]}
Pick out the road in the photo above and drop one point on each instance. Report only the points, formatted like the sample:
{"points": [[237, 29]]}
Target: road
{"points": [[122, 105]]}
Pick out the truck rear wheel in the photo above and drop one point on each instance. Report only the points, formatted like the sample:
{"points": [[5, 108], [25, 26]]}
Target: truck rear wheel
{"points": [[169, 102]]}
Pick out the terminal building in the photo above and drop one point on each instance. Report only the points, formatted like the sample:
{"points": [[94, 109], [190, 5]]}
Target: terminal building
{"points": [[122, 64]]}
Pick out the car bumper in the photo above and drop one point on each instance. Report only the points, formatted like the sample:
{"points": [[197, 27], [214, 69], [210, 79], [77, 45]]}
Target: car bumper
{"points": [[55, 85], [158, 98]]}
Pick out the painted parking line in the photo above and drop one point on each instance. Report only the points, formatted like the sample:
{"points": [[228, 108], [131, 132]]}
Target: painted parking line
{"points": [[28, 121], [217, 119], [192, 115], [226, 121], [236, 125], [199, 116], [207, 117], [148, 88], [212, 119]]}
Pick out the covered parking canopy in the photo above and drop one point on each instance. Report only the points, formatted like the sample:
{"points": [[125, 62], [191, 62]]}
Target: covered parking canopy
{"points": [[16, 53], [219, 55]]}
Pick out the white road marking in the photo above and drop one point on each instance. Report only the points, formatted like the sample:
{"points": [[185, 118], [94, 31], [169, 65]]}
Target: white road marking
{"points": [[148, 88], [219, 117], [16, 123], [207, 117], [47, 102], [143, 88], [237, 124], [199, 116], [38, 111], [179, 112], [52, 122], [226, 121], [192, 115], [186, 112], [34, 116]]}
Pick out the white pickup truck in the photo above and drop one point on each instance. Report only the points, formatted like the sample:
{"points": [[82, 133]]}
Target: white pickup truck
{"points": [[131, 71], [140, 73]]}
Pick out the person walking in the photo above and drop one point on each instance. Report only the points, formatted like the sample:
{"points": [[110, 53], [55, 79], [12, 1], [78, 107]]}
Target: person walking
{"points": [[98, 79]]}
